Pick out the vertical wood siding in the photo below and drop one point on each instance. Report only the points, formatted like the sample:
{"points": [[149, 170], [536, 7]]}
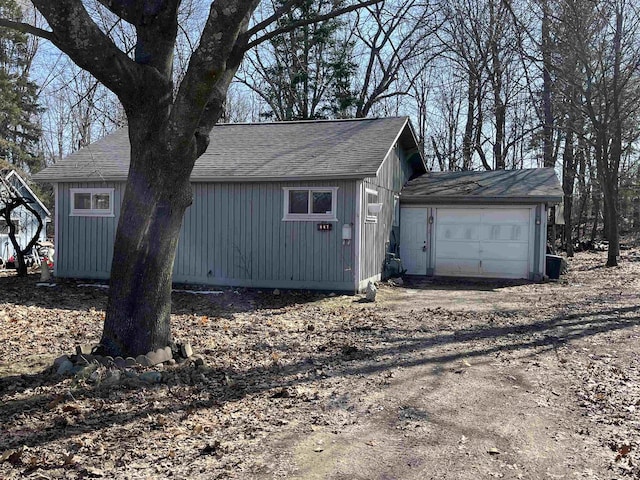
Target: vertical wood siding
{"points": [[85, 244], [232, 234], [377, 237]]}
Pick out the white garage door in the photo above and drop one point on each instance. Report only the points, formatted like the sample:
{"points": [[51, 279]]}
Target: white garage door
{"points": [[491, 242]]}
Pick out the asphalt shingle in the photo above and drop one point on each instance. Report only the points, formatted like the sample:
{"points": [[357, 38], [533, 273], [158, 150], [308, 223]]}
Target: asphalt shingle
{"points": [[496, 186], [257, 152]]}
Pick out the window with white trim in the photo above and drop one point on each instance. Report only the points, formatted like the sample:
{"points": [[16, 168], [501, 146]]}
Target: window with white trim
{"points": [[396, 211], [372, 207], [310, 203], [91, 202]]}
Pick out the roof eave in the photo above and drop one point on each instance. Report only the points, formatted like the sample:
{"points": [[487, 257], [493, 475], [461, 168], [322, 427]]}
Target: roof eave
{"points": [[405, 126], [203, 179], [458, 200]]}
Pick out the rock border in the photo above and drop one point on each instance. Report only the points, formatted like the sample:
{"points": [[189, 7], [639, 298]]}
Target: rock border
{"points": [[85, 356]]}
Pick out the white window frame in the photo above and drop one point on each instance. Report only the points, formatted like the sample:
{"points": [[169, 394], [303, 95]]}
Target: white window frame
{"points": [[85, 212], [370, 217], [396, 210], [311, 217]]}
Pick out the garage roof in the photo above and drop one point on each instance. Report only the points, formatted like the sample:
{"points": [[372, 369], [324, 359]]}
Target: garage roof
{"points": [[532, 185]]}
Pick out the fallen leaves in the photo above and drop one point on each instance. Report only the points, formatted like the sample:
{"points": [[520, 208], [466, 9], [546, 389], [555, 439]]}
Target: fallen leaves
{"points": [[295, 364]]}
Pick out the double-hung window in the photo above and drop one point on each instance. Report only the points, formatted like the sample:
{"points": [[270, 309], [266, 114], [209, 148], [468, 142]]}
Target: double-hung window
{"points": [[372, 206], [91, 202], [310, 203]]}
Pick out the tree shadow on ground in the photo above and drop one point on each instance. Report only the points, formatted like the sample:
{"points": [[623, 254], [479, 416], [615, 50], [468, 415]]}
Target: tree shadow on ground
{"points": [[82, 295], [389, 348]]}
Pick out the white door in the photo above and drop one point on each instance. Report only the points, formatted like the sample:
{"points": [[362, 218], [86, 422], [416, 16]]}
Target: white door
{"points": [[413, 240], [486, 242]]}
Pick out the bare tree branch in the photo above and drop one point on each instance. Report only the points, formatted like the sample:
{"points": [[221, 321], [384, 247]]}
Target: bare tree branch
{"points": [[26, 28], [302, 23]]}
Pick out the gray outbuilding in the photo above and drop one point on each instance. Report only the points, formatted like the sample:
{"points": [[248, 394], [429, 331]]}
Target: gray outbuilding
{"points": [[26, 223], [478, 224], [309, 204]]}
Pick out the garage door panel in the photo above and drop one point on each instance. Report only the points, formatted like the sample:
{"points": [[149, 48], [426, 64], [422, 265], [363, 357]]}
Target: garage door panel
{"points": [[504, 268], [506, 215], [453, 250], [458, 267], [504, 250], [458, 232], [505, 233], [458, 215], [491, 242]]}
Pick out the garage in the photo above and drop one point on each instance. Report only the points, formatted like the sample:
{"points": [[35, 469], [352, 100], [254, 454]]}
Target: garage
{"points": [[477, 224]]}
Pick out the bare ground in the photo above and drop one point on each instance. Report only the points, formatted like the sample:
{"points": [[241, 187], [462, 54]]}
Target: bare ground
{"points": [[438, 379]]}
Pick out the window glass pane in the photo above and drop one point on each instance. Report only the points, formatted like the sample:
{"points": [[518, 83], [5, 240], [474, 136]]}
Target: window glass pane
{"points": [[298, 201], [101, 201], [321, 202], [396, 211], [82, 201]]}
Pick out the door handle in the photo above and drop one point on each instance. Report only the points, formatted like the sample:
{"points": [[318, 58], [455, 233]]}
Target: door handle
{"points": [[424, 247]]}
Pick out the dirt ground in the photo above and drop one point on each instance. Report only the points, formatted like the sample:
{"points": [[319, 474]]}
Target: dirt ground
{"points": [[438, 379]]}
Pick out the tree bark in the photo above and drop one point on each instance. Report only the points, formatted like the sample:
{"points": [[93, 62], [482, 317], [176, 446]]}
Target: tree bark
{"points": [[139, 305], [568, 180], [467, 142], [547, 105]]}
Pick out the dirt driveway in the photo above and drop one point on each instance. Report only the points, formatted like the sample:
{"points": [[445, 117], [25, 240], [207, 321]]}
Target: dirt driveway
{"points": [[438, 379]]}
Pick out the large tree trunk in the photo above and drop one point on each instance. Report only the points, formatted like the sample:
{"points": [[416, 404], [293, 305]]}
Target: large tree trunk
{"points": [[139, 306], [547, 65], [611, 164], [611, 219], [467, 141], [596, 202]]}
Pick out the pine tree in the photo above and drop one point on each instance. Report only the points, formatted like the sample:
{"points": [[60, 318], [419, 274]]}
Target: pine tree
{"points": [[307, 73], [19, 109]]}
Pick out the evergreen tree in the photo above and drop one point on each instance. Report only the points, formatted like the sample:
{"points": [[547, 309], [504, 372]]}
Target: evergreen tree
{"points": [[19, 129], [306, 73]]}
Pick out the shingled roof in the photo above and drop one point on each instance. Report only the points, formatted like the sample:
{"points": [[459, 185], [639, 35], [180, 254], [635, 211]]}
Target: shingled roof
{"points": [[259, 151], [496, 186]]}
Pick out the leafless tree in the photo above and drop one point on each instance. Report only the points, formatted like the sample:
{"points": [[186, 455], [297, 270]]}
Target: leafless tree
{"points": [[11, 202], [169, 127]]}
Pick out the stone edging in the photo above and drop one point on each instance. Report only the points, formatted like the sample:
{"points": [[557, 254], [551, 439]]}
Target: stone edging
{"points": [[84, 356]]}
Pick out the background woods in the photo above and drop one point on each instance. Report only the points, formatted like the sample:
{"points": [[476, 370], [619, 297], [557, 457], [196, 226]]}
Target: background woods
{"points": [[489, 85]]}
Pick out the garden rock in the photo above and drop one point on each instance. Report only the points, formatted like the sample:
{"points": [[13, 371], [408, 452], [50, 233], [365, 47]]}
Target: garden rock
{"points": [[65, 367], [151, 377], [371, 292]]}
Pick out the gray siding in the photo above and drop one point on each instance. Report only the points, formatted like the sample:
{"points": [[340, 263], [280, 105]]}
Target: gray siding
{"points": [[85, 244], [380, 237], [232, 234]]}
